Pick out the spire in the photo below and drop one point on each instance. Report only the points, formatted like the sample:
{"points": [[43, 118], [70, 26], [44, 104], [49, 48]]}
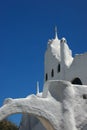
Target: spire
{"points": [[56, 37], [37, 87]]}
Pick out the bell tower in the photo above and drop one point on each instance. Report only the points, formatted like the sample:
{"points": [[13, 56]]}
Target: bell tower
{"points": [[58, 57]]}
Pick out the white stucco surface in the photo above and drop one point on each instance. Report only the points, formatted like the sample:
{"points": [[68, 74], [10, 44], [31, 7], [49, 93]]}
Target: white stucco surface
{"points": [[58, 52], [61, 107]]}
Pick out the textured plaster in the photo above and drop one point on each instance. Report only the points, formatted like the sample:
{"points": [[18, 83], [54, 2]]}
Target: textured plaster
{"points": [[61, 106]]}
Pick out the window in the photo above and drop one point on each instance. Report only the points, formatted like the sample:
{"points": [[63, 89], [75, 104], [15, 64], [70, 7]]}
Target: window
{"points": [[58, 68], [84, 96], [46, 77], [77, 81], [52, 73]]}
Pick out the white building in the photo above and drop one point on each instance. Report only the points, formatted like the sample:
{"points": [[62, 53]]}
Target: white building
{"points": [[61, 105], [60, 65]]}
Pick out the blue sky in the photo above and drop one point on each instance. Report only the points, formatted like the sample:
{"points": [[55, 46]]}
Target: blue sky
{"points": [[25, 27]]}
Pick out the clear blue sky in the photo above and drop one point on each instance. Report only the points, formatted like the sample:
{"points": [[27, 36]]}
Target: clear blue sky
{"points": [[25, 27]]}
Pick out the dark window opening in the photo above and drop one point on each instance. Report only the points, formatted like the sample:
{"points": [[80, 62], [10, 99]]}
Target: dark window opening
{"points": [[84, 96], [52, 73], [59, 68], [77, 81], [46, 78]]}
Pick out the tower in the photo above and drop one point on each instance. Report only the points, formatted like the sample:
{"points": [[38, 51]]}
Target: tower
{"points": [[58, 57]]}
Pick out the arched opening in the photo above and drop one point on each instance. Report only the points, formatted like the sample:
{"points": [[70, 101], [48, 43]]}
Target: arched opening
{"points": [[18, 106], [58, 69], [30, 122], [27, 121], [52, 73], [77, 81]]}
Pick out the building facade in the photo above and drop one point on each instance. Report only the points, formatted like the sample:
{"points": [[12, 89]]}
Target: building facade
{"points": [[62, 105], [60, 65]]}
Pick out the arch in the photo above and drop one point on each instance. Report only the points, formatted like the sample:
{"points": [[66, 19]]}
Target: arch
{"points": [[29, 106], [77, 81]]}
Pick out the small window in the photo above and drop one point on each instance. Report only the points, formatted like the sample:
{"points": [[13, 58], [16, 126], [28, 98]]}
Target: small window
{"points": [[84, 96], [46, 78], [58, 68], [52, 73]]}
